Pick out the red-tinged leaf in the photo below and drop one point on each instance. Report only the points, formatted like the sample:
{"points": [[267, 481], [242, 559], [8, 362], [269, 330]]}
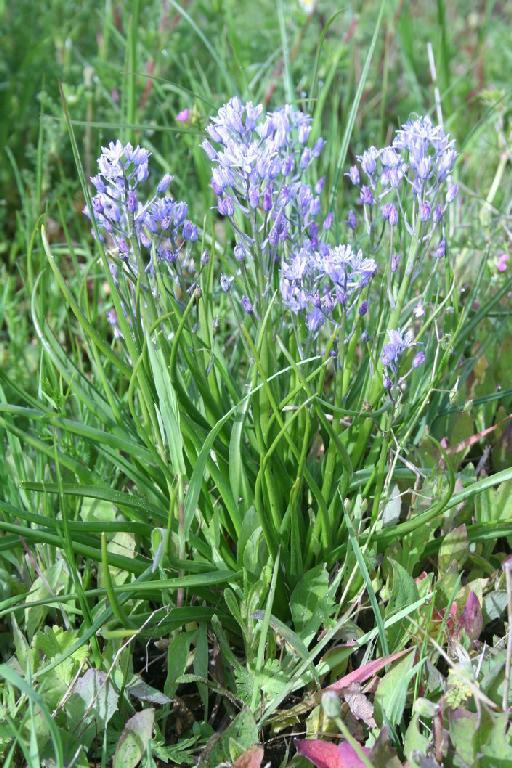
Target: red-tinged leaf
{"points": [[325, 754], [349, 757], [367, 670], [251, 758], [471, 619]]}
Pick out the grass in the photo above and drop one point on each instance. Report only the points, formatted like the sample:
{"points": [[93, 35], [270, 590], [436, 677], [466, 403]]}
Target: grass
{"points": [[208, 519]]}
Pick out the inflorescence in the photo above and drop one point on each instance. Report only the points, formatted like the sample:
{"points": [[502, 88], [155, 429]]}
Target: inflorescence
{"points": [[421, 159], [126, 222], [260, 162], [318, 281], [258, 166]]}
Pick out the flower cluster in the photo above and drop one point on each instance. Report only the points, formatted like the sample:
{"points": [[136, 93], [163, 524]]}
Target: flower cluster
{"points": [[398, 342], [158, 224], [259, 161], [318, 281], [421, 157]]}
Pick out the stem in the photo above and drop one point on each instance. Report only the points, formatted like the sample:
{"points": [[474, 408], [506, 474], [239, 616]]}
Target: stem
{"points": [[376, 385]]}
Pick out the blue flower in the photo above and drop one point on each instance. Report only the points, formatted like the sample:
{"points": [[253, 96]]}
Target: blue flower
{"points": [[226, 282], [258, 164], [398, 342], [246, 305], [390, 213], [316, 282], [160, 224], [421, 159]]}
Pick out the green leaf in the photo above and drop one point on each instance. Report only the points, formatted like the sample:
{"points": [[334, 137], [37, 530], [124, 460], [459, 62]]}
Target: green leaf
{"points": [[177, 657], [494, 740], [241, 734], [404, 592], [454, 551], [98, 492], [414, 741], [98, 694], [168, 406], [140, 690], [13, 679], [134, 740], [463, 726], [45, 586], [309, 603], [392, 691], [392, 510]]}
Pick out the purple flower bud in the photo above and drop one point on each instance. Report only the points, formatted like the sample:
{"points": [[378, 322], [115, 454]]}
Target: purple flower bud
{"points": [[112, 320], [390, 213], [368, 161], [122, 246], [351, 220], [254, 197], [267, 198], [239, 252], [423, 168], [419, 359], [164, 184], [132, 201], [226, 282], [389, 157], [99, 183], [440, 250], [226, 205], [425, 210], [387, 383], [315, 207], [353, 175], [452, 193], [366, 196], [246, 305], [317, 149], [313, 233], [315, 319], [320, 185], [438, 214], [304, 131], [210, 151], [179, 212], [395, 261], [189, 231], [363, 309], [205, 258], [288, 165], [328, 220], [279, 231], [306, 158]]}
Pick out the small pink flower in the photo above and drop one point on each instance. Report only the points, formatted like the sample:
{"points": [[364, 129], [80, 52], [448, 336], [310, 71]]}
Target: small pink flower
{"points": [[183, 116], [502, 264]]}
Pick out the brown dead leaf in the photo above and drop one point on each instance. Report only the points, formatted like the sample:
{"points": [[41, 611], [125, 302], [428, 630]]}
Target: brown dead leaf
{"points": [[360, 706]]}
